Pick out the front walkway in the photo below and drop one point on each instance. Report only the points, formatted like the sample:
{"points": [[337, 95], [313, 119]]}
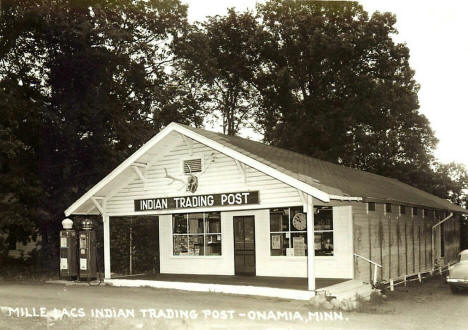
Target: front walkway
{"points": [[297, 283], [280, 287]]}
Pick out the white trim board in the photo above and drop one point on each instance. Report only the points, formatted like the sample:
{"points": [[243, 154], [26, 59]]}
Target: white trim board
{"points": [[119, 169]]}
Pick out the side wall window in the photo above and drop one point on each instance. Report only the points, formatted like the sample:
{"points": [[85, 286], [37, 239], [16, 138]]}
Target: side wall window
{"points": [[388, 208], [402, 209]]}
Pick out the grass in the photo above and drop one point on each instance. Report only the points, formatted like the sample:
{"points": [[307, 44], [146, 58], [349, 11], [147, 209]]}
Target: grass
{"points": [[430, 289]]}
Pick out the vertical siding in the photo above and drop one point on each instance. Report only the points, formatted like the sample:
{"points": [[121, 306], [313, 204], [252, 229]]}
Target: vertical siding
{"points": [[417, 251], [428, 236], [437, 253], [452, 239], [361, 225], [409, 243], [385, 233], [427, 242], [394, 258], [376, 236], [401, 243]]}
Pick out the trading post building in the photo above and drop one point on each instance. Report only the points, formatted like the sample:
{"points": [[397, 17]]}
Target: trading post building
{"points": [[227, 206]]}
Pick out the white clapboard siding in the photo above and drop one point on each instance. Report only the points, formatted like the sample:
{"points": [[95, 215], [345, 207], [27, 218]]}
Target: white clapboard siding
{"points": [[222, 175]]}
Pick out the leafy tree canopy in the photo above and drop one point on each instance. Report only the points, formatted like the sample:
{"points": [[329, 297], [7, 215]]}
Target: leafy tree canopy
{"points": [[82, 85], [336, 86], [320, 78], [218, 59]]}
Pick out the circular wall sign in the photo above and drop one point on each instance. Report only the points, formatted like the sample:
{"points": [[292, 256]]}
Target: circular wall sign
{"points": [[299, 221]]}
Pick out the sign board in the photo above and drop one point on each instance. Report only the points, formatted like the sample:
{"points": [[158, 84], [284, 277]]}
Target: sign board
{"points": [[276, 241], [183, 202], [299, 246]]}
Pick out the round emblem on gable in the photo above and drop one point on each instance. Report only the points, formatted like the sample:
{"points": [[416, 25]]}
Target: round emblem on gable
{"points": [[192, 183]]}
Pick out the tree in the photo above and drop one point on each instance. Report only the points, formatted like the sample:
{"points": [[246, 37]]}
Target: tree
{"points": [[83, 84], [451, 182], [218, 60], [336, 86], [320, 78]]}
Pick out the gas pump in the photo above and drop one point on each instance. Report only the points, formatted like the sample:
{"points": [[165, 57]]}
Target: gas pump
{"points": [[68, 245], [87, 251]]}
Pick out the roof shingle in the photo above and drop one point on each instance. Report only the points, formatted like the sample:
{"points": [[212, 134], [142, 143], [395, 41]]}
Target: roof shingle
{"points": [[331, 178]]}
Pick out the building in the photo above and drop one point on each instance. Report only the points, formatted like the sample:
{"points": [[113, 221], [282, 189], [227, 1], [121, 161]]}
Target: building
{"points": [[19, 249], [226, 206]]}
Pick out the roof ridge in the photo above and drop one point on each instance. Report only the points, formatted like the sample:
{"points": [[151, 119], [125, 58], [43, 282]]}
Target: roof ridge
{"points": [[350, 181], [297, 153]]}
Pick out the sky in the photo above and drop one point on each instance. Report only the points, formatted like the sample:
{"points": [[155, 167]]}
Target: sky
{"points": [[436, 32]]}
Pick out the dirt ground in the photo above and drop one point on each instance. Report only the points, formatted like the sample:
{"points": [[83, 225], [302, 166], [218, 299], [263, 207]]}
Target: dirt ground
{"points": [[30, 305]]}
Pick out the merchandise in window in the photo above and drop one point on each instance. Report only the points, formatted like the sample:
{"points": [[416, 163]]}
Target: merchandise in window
{"points": [[197, 234], [288, 232]]}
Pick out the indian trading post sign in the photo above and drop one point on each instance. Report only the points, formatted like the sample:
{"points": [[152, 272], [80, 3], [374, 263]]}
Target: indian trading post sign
{"points": [[183, 202]]}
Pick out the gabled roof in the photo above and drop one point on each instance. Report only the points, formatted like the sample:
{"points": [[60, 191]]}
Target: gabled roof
{"points": [[334, 179], [320, 179]]}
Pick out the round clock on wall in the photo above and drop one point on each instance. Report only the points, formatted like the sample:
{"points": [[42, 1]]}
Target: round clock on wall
{"points": [[299, 221]]}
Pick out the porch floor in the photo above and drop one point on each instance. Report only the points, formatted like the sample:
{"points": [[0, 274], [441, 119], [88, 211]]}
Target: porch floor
{"points": [[296, 283]]}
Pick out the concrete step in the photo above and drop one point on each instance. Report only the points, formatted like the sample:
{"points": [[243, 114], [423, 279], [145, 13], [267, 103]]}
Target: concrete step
{"points": [[349, 290]]}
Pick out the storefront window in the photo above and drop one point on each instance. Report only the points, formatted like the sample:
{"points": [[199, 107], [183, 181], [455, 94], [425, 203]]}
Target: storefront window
{"points": [[197, 234], [323, 232], [288, 232]]}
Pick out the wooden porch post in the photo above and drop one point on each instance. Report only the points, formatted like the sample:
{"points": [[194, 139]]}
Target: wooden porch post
{"points": [[107, 264], [310, 244]]}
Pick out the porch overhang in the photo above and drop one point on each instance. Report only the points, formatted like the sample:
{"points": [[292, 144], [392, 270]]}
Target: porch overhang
{"points": [[130, 169]]}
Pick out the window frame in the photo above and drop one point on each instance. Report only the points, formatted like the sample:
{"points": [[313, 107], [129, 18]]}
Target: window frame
{"points": [[326, 231], [291, 232], [388, 206], [204, 234], [402, 208]]}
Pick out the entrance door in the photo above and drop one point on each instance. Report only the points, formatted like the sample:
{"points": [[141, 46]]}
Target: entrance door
{"points": [[244, 245]]}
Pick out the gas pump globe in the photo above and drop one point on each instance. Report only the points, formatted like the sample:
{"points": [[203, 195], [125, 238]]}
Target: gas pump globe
{"points": [[87, 251], [68, 245]]}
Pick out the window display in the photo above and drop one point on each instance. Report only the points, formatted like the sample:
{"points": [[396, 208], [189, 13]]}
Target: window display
{"points": [[288, 232], [197, 234]]}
